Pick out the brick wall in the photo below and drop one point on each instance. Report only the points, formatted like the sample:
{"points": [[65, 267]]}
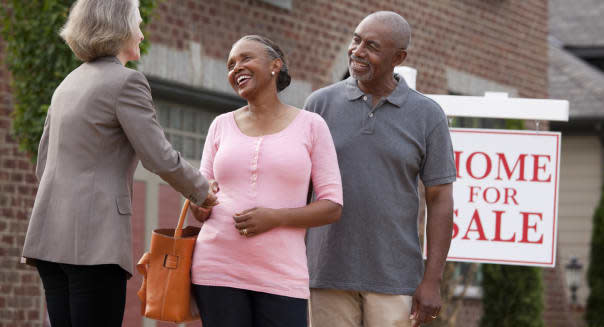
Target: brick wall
{"points": [[20, 290], [501, 41], [456, 34], [557, 313]]}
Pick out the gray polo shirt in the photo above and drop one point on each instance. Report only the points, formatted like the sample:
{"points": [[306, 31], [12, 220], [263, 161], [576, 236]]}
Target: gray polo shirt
{"points": [[382, 152]]}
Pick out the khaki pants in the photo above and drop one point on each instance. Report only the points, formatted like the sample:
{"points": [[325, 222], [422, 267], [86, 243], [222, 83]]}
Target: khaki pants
{"points": [[336, 308]]}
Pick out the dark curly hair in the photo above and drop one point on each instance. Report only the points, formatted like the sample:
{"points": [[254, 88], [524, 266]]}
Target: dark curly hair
{"points": [[273, 50]]}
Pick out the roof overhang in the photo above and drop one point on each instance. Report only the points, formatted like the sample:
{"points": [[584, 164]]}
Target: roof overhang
{"points": [[591, 52], [582, 126]]}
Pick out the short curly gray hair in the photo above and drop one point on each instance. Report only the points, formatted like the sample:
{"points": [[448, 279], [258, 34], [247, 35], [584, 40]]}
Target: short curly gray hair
{"points": [[97, 28]]}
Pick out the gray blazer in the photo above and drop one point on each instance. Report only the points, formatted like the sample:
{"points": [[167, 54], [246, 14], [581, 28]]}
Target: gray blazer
{"points": [[101, 121]]}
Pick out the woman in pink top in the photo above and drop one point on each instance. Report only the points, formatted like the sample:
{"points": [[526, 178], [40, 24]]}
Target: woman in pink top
{"points": [[249, 266]]}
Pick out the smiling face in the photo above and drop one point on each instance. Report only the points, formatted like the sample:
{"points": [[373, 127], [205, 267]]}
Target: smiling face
{"points": [[249, 69], [372, 54]]}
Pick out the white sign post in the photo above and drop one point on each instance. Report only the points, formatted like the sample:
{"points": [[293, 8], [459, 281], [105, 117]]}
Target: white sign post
{"points": [[493, 104], [506, 193]]}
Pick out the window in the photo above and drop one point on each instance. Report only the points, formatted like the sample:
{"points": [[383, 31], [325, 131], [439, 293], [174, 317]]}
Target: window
{"points": [[185, 113], [285, 4], [185, 126]]}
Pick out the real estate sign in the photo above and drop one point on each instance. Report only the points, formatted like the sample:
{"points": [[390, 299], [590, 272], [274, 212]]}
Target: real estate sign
{"points": [[506, 197]]}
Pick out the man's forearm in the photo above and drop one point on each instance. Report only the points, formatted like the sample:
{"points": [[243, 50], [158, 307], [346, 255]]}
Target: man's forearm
{"points": [[439, 224]]}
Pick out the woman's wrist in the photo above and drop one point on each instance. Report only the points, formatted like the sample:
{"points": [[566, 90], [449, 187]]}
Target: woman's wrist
{"points": [[280, 217], [200, 213], [205, 211]]}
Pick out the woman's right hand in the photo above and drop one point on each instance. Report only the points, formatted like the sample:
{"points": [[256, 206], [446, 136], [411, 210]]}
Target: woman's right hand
{"points": [[201, 213]]}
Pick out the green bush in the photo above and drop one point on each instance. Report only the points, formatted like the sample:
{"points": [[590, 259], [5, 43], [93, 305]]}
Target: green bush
{"points": [[512, 296], [595, 274], [38, 60]]}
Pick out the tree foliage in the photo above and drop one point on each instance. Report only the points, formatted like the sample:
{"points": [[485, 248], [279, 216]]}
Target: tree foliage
{"points": [[512, 296], [595, 274], [39, 60]]}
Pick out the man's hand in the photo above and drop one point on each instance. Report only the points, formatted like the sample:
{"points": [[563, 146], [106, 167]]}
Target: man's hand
{"points": [[256, 221], [201, 213], [426, 300], [426, 303]]}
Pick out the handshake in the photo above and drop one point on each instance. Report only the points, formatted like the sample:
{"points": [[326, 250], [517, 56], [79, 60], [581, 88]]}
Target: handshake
{"points": [[201, 213]]}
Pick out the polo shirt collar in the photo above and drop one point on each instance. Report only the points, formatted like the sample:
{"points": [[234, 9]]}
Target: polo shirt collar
{"points": [[352, 89], [400, 93], [397, 97]]}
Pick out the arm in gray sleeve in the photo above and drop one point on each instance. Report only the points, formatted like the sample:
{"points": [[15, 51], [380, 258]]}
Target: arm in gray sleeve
{"points": [[137, 117], [438, 166], [43, 148], [309, 104]]}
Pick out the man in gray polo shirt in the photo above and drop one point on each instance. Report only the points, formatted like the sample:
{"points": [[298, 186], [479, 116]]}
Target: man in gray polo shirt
{"points": [[367, 268]]}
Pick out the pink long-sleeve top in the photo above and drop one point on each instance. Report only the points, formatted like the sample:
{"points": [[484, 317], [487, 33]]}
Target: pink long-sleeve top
{"points": [[271, 171]]}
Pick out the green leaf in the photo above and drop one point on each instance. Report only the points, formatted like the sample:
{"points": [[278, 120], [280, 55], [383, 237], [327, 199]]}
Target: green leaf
{"points": [[594, 314], [39, 60]]}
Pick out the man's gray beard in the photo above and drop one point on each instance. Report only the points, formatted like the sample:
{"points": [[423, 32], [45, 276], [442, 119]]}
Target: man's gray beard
{"points": [[365, 77]]}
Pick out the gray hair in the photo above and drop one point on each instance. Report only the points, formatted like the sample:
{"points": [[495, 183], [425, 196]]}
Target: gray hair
{"points": [[274, 52], [401, 31], [97, 28]]}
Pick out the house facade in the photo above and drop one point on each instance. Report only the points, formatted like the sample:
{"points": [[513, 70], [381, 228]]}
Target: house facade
{"points": [[458, 47], [576, 73]]}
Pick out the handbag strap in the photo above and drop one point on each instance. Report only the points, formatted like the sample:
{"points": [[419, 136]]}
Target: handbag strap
{"points": [[181, 220], [141, 266]]}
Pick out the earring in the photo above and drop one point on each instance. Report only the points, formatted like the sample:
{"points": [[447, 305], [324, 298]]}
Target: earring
{"points": [[273, 73]]}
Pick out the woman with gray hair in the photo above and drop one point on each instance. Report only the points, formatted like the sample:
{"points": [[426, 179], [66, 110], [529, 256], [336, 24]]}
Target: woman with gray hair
{"points": [[100, 123]]}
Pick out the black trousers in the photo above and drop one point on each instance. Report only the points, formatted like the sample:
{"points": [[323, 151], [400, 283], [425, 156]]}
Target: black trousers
{"points": [[84, 296], [233, 307]]}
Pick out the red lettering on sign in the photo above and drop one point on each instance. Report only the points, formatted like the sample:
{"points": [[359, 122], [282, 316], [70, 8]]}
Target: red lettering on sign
{"points": [[492, 195], [504, 172], [510, 196], [537, 168], [473, 193], [504, 162], [488, 163], [526, 227], [457, 159], [475, 226], [498, 218], [478, 229], [455, 228], [496, 197]]}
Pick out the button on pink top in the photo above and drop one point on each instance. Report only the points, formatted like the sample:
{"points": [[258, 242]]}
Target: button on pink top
{"points": [[271, 171]]}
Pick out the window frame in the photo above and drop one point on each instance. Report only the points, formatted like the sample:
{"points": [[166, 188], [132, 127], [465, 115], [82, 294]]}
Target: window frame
{"points": [[283, 4], [179, 93], [189, 97]]}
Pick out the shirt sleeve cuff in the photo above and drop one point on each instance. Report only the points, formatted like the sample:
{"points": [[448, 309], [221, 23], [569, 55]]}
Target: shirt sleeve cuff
{"points": [[439, 181]]}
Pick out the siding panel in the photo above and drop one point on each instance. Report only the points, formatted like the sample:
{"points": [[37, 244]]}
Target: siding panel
{"points": [[580, 187]]}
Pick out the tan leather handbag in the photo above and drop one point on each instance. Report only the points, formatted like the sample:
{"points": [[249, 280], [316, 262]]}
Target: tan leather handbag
{"points": [[166, 290]]}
